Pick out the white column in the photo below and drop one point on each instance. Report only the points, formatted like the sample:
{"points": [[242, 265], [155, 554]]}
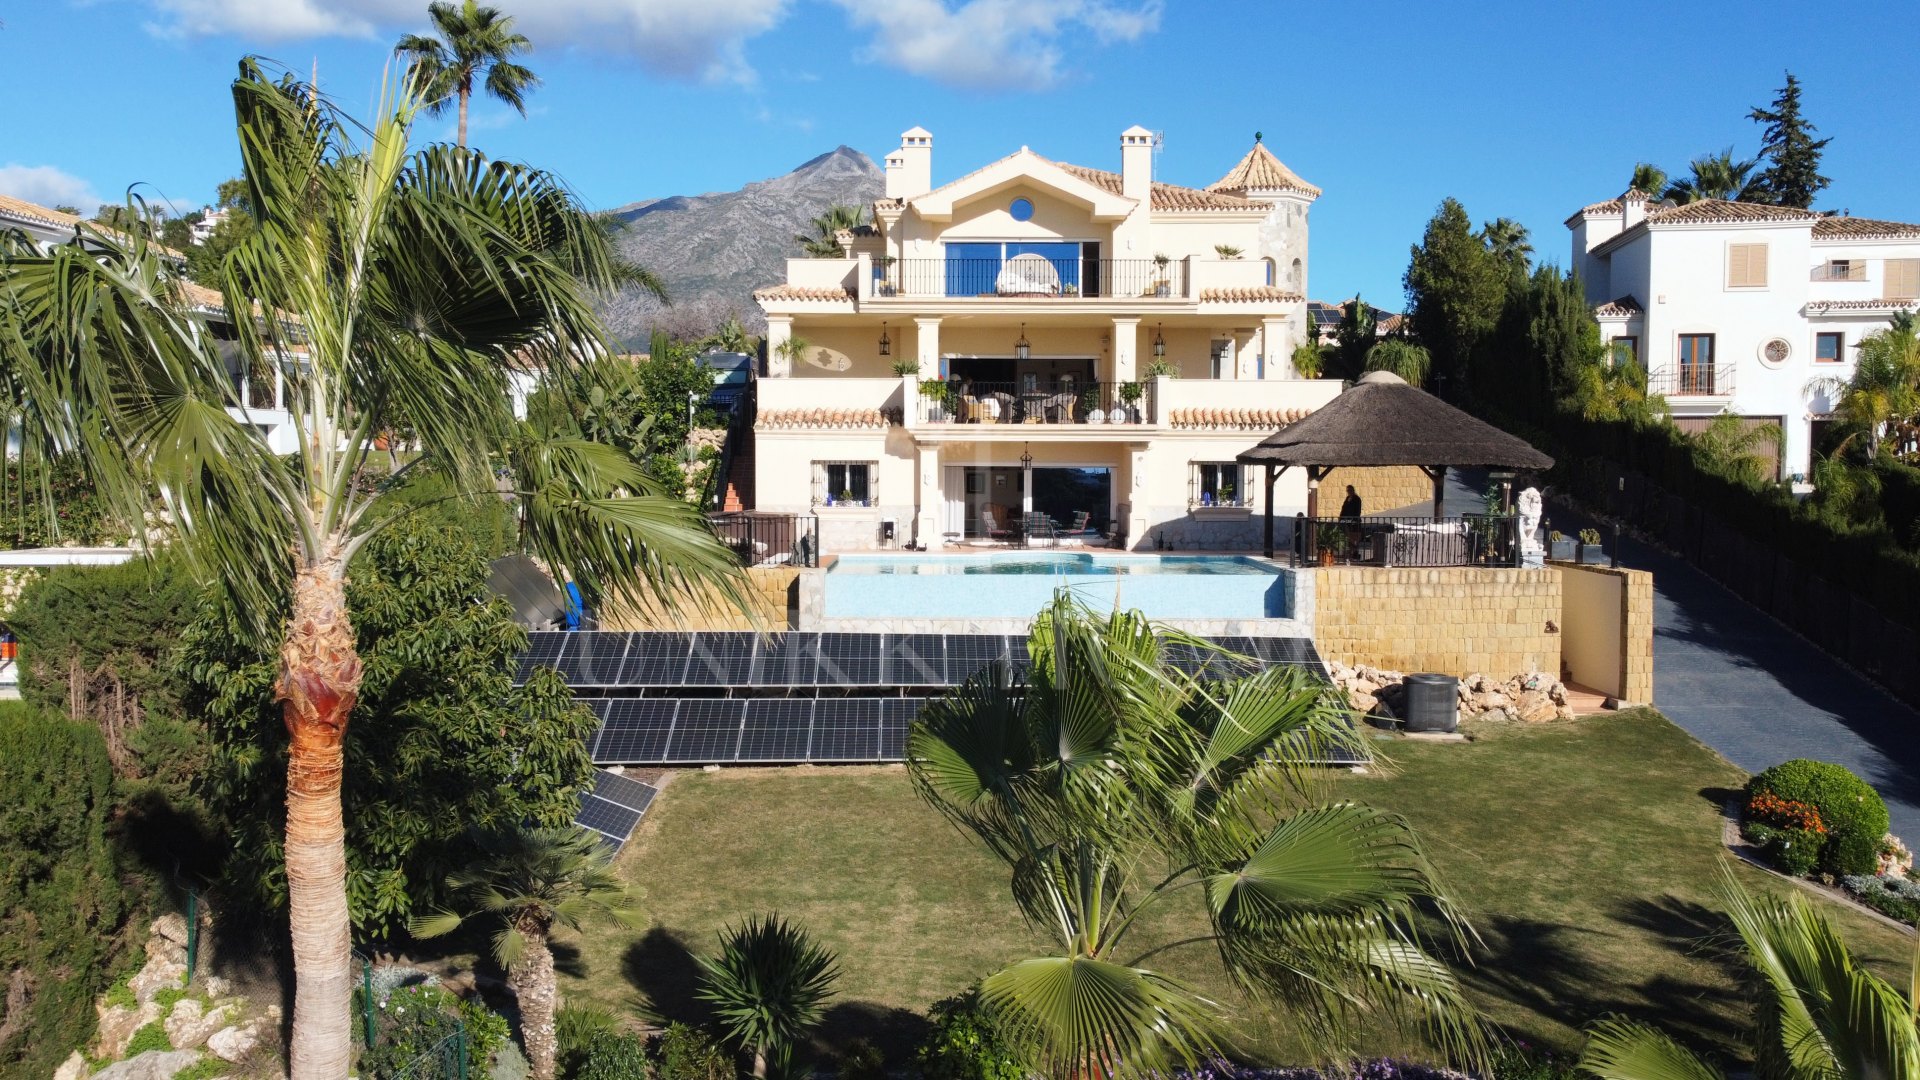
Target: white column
{"points": [[1137, 519], [1276, 347], [931, 505], [779, 331], [927, 346], [1126, 344]]}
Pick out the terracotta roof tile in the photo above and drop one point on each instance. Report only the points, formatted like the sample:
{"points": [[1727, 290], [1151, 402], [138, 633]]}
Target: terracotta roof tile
{"points": [[803, 292], [21, 208], [1247, 294], [813, 419], [1234, 419], [1862, 305], [1166, 196], [1260, 171], [1854, 228], [1624, 305], [1717, 211], [1390, 324]]}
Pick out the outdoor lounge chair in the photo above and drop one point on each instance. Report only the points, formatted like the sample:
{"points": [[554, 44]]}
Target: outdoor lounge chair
{"points": [[991, 528]]}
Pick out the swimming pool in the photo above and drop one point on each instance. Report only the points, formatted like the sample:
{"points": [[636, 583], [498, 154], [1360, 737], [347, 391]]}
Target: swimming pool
{"points": [[883, 586]]}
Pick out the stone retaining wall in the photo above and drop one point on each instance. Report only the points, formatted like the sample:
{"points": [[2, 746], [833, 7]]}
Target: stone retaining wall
{"points": [[1453, 620], [1608, 624]]}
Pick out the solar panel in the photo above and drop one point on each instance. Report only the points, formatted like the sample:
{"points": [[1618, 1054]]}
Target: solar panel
{"points": [[720, 660], [635, 731], [786, 660], [609, 819], [658, 659], [623, 790], [706, 731], [896, 716], [967, 654], [776, 730], [846, 729], [594, 659], [914, 660], [614, 807], [1297, 651], [543, 650], [850, 659]]}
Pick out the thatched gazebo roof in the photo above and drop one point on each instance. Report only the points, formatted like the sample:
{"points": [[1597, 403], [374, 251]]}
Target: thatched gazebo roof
{"points": [[1381, 420]]}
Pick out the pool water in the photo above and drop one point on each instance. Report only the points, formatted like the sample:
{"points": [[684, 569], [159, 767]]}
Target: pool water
{"points": [[1051, 563], [890, 586]]}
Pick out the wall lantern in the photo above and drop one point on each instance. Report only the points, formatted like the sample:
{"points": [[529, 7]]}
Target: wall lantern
{"points": [[886, 343], [1159, 343], [1023, 348]]}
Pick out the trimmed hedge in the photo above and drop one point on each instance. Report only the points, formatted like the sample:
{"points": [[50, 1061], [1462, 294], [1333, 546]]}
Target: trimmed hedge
{"points": [[1854, 814]]}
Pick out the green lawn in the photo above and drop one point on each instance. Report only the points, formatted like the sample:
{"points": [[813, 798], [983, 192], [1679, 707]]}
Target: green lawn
{"points": [[1585, 853]]}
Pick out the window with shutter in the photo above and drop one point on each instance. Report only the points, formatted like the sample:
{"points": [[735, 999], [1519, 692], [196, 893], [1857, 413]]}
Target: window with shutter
{"points": [[1903, 279], [1746, 266]]}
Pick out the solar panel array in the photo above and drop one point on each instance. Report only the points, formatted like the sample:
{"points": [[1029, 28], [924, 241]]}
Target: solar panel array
{"points": [[613, 809], [739, 698]]}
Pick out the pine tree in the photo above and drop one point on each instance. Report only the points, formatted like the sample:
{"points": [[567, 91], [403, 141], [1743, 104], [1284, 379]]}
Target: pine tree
{"points": [[1455, 291], [1790, 150]]}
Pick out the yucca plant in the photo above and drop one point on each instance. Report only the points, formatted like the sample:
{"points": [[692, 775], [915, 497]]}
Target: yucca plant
{"points": [[397, 286], [1822, 1015], [529, 882], [768, 987], [1113, 781]]}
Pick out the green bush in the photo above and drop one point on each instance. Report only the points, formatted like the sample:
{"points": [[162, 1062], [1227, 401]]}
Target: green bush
{"points": [[1794, 851], [574, 1027], [416, 1022], [151, 1037], [1890, 895], [861, 1060], [965, 1044], [51, 503], [1519, 1061], [615, 1055], [118, 625], [64, 901], [1854, 814], [687, 1053]]}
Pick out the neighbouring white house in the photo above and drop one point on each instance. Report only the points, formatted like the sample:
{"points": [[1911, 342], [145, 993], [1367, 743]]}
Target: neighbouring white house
{"points": [[259, 397], [1743, 308], [1115, 338], [210, 219]]}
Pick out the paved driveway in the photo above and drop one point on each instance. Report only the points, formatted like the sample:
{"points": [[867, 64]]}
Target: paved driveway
{"points": [[1753, 690]]}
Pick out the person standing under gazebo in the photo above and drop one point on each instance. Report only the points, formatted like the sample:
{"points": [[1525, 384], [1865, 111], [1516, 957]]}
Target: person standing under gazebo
{"points": [[1350, 507]]}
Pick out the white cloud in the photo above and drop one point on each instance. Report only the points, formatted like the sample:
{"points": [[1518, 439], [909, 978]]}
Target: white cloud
{"points": [[676, 38], [992, 44], [48, 186]]}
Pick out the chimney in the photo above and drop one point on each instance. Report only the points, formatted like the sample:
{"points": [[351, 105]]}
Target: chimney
{"points": [[1136, 163], [910, 168], [1633, 208]]}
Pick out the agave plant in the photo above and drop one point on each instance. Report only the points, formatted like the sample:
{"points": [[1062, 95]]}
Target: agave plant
{"points": [[1111, 766], [767, 987], [1822, 1015]]}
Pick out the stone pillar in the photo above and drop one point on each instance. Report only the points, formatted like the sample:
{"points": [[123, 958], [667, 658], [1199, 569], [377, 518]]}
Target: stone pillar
{"points": [[1277, 348], [927, 345], [1126, 343], [779, 332], [931, 506]]}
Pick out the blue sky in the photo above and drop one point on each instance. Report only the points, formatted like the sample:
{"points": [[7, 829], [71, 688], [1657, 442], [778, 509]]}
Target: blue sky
{"points": [[1520, 109]]}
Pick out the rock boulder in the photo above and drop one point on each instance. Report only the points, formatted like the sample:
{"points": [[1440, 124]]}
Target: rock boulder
{"points": [[152, 1065]]}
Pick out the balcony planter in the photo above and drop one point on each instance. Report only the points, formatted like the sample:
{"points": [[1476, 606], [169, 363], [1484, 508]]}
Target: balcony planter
{"points": [[1162, 289], [1561, 550]]}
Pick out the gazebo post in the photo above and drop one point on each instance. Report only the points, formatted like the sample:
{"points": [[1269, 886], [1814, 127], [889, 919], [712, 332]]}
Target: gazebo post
{"points": [[1315, 474], [1438, 474], [1270, 478]]}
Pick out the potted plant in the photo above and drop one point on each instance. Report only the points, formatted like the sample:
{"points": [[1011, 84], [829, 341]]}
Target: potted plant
{"points": [[904, 366], [1590, 550], [847, 499], [1333, 542], [936, 392], [1090, 403], [1069, 290], [1226, 494], [1130, 394], [1226, 251], [1162, 369], [1560, 546], [1162, 285]]}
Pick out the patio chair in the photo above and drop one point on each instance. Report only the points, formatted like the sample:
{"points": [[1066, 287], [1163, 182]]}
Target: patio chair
{"points": [[991, 528], [1038, 526], [1080, 519], [1009, 405], [1059, 409]]}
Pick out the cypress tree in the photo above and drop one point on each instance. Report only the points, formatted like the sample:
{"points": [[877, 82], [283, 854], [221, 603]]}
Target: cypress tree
{"points": [[1790, 150], [1456, 289]]}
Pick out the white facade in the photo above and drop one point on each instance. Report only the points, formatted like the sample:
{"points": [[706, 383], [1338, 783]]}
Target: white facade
{"points": [[1035, 295], [1739, 308]]}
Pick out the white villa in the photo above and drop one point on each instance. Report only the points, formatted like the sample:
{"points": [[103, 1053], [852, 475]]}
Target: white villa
{"points": [[1117, 338], [1737, 307]]}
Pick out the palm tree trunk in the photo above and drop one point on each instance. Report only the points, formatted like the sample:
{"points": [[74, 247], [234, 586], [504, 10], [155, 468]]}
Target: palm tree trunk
{"points": [[532, 980], [319, 680], [760, 1063], [466, 91]]}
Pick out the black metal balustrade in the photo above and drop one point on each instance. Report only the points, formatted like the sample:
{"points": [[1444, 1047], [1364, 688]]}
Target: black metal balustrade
{"points": [[1466, 540], [972, 402], [1691, 380], [1029, 276], [769, 539]]}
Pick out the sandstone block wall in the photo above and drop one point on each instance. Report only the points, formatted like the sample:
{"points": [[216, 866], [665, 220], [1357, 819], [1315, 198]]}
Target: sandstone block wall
{"points": [[769, 590], [1381, 489], [1608, 619], [1452, 620]]}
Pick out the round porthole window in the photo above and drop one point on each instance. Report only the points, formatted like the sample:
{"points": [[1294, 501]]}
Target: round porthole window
{"points": [[1775, 351], [1021, 209]]}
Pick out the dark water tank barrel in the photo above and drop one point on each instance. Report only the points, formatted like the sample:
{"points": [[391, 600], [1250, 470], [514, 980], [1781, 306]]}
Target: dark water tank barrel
{"points": [[1433, 702]]}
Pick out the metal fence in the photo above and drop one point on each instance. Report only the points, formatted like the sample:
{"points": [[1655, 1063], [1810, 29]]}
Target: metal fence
{"points": [[971, 402], [760, 538], [1466, 540], [1062, 277]]}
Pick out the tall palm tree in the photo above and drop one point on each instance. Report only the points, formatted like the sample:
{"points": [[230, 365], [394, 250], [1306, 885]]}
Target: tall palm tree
{"points": [[1507, 240], [1881, 399], [768, 987], [1715, 176], [402, 286], [473, 40], [1736, 448], [822, 243], [529, 882], [1822, 1015], [1648, 179], [1111, 764]]}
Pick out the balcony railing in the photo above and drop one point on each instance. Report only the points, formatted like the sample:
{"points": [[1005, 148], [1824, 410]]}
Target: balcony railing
{"points": [[1841, 270], [1011, 403], [1691, 380], [1031, 276], [768, 539], [1467, 540]]}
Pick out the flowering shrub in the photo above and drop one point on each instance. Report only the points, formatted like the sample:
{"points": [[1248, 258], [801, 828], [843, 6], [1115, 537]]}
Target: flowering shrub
{"points": [[1893, 895], [1853, 814], [1767, 808]]}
